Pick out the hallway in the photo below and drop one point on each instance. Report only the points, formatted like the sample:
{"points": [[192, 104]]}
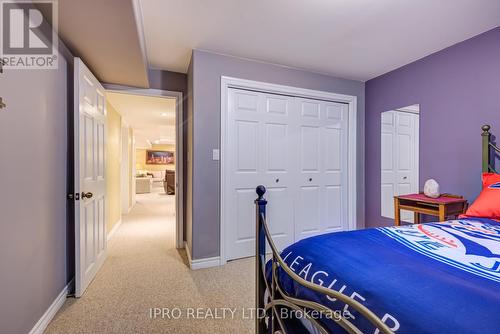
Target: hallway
{"points": [[143, 270]]}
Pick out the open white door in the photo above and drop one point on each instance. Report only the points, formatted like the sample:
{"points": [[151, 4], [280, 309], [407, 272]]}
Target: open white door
{"points": [[90, 184]]}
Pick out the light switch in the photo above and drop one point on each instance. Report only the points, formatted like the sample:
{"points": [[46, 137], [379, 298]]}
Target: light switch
{"points": [[215, 154]]}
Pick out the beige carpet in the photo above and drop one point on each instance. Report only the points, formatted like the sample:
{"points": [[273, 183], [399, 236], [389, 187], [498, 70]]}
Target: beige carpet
{"points": [[144, 270]]}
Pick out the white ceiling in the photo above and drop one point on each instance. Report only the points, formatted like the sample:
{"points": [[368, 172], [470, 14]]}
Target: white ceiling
{"points": [[356, 39], [152, 118]]}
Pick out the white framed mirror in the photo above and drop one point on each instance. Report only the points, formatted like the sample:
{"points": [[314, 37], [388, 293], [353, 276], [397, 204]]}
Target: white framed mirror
{"points": [[399, 157]]}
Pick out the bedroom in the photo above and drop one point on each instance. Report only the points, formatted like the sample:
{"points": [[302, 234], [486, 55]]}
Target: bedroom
{"points": [[346, 61]]}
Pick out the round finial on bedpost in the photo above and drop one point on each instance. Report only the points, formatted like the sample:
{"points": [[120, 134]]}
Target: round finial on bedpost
{"points": [[486, 128], [260, 190]]}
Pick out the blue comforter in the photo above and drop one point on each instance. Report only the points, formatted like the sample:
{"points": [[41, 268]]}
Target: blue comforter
{"points": [[429, 278]]}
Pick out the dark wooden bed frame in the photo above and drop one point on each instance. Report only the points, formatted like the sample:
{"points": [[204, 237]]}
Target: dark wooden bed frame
{"points": [[275, 299]]}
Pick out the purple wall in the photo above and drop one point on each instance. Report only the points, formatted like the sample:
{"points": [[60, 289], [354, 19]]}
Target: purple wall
{"points": [[36, 245], [173, 81], [458, 90]]}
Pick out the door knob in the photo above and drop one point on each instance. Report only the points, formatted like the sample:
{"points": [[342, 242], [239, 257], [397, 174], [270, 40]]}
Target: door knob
{"points": [[310, 179], [277, 180], [87, 195]]}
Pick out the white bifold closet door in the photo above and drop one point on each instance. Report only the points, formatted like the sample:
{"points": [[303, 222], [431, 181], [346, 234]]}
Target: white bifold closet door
{"points": [[297, 148]]}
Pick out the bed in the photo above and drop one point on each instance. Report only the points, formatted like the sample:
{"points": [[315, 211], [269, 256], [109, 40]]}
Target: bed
{"points": [[425, 278]]}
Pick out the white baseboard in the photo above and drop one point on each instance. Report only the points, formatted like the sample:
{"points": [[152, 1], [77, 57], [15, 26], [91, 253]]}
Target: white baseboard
{"points": [[126, 211], [47, 317], [114, 229], [201, 263]]}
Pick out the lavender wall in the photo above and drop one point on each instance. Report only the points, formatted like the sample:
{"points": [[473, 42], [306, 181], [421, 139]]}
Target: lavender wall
{"points": [[36, 239], [458, 90], [206, 73], [173, 81]]}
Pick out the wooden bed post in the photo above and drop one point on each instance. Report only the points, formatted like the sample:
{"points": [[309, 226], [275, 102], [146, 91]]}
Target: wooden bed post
{"points": [[260, 261], [486, 148]]}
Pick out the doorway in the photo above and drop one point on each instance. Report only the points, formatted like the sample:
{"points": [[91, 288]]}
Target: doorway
{"points": [[98, 146], [152, 139]]}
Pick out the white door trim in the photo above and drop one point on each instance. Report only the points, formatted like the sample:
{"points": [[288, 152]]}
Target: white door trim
{"points": [[179, 177], [351, 101]]}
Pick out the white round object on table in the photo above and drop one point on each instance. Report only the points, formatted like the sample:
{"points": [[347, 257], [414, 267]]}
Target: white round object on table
{"points": [[431, 188]]}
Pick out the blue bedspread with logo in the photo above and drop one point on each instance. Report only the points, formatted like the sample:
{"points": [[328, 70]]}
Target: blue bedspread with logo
{"points": [[429, 278]]}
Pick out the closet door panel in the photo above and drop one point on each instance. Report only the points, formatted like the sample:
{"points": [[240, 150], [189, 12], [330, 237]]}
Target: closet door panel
{"points": [[244, 129], [308, 220], [277, 157], [322, 173], [258, 125], [335, 154]]}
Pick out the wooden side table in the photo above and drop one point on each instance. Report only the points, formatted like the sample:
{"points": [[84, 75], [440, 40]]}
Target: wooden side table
{"points": [[444, 206]]}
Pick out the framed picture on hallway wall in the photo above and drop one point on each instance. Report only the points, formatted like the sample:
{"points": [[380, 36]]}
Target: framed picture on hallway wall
{"points": [[159, 157]]}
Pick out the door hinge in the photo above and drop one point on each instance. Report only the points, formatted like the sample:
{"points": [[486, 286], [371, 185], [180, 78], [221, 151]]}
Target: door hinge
{"points": [[2, 104], [75, 196]]}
